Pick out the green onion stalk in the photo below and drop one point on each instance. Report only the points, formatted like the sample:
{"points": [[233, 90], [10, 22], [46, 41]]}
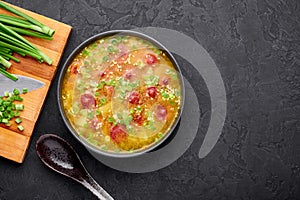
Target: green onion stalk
{"points": [[45, 29], [11, 40], [19, 41]]}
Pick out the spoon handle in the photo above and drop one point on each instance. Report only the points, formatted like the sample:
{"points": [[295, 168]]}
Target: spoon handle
{"points": [[96, 189]]}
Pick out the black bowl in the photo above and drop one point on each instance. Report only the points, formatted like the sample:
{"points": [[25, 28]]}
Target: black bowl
{"points": [[69, 60]]}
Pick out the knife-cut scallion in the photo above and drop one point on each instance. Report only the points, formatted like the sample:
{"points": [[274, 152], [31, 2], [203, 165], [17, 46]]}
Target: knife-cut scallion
{"points": [[9, 56], [25, 90], [16, 92], [7, 74], [4, 62], [19, 106], [15, 19], [21, 128], [9, 110], [45, 28], [21, 41], [5, 50], [30, 33], [18, 120], [23, 26], [6, 93], [11, 40], [26, 52], [22, 23]]}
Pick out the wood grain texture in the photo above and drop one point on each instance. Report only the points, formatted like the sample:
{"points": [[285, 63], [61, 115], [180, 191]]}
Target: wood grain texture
{"points": [[13, 143]]}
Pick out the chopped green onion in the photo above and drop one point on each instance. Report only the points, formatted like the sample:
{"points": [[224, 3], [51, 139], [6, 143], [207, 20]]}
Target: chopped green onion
{"points": [[98, 112], [25, 90], [101, 84], [114, 42], [18, 120], [85, 125], [139, 108], [103, 100], [91, 115], [110, 49], [4, 121], [105, 58], [9, 110], [19, 106], [17, 113], [165, 95], [103, 147], [110, 119], [16, 91], [85, 52], [21, 128]]}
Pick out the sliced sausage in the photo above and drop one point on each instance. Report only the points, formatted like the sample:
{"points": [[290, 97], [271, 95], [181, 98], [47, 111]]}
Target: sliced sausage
{"points": [[94, 123], [87, 101], [134, 97], [161, 113], [164, 81], [152, 92], [118, 133], [151, 59]]}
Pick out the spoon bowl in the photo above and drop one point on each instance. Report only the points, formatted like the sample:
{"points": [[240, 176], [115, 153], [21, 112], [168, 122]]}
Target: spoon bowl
{"points": [[59, 156]]}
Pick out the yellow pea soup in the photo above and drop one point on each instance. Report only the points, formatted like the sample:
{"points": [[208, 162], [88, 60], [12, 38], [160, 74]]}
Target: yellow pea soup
{"points": [[122, 94]]}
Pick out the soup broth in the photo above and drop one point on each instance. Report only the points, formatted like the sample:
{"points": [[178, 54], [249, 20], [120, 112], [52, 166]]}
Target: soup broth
{"points": [[122, 93]]}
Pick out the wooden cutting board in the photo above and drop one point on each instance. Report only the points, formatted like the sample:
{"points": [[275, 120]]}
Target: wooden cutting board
{"points": [[13, 143]]}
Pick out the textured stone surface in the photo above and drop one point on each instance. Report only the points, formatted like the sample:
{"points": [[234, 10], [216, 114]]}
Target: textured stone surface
{"points": [[255, 44]]}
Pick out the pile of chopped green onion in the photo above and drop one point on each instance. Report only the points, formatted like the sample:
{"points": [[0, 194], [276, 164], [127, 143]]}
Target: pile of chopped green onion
{"points": [[11, 29], [10, 110]]}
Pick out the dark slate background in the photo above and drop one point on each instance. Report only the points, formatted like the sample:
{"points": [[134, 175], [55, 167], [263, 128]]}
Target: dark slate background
{"points": [[256, 46]]}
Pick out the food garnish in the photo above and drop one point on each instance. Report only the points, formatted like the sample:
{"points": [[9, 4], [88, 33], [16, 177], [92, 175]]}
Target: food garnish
{"points": [[10, 108], [11, 40]]}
